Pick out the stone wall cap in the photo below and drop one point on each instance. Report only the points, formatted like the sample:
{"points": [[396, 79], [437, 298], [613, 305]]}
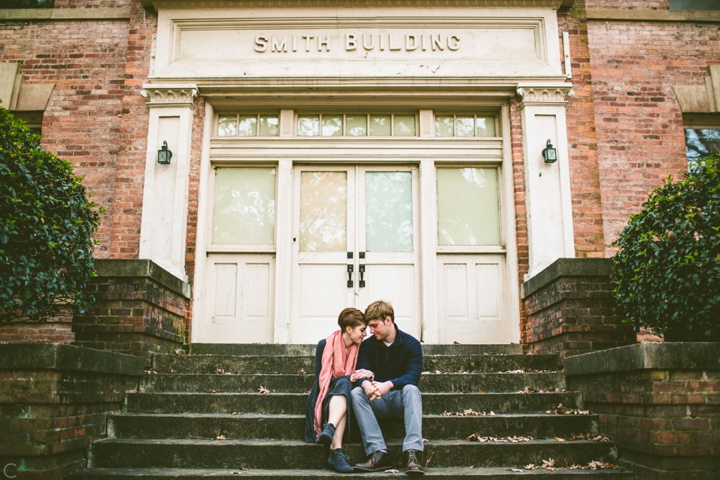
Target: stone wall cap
{"points": [[50, 356], [567, 267], [647, 356], [142, 268]]}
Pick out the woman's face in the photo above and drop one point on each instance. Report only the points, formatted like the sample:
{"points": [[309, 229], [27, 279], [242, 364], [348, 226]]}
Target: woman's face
{"points": [[357, 334]]}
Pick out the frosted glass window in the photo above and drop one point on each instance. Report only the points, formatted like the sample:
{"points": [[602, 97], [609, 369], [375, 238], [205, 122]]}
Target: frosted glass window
{"points": [[380, 126], [486, 126], [244, 206], [332, 125], [465, 126], [323, 211], [268, 126], [444, 126], [227, 126], [356, 125], [468, 207], [248, 126], [308, 125], [404, 125], [388, 212]]}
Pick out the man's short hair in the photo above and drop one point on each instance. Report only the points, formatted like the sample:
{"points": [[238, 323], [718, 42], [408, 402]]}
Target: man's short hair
{"points": [[351, 317], [379, 309]]}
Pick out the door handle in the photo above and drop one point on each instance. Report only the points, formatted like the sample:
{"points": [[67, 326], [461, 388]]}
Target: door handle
{"points": [[349, 272], [362, 274]]}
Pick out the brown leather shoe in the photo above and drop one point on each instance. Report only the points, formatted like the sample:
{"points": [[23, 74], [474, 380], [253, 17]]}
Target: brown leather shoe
{"points": [[377, 461], [414, 467]]}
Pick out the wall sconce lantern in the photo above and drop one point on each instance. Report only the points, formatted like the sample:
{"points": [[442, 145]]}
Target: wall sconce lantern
{"points": [[164, 155], [549, 153]]}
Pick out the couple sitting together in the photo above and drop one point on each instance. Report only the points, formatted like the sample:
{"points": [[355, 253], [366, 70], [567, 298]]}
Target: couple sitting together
{"points": [[371, 379]]}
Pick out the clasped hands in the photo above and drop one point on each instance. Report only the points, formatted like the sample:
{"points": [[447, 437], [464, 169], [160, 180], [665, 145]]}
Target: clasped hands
{"points": [[373, 389]]}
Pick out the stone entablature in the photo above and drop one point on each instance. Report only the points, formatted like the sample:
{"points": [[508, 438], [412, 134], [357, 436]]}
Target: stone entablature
{"points": [[166, 4]]}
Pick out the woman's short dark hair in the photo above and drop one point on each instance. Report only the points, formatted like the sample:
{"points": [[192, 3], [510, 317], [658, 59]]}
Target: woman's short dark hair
{"points": [[351, 317]]}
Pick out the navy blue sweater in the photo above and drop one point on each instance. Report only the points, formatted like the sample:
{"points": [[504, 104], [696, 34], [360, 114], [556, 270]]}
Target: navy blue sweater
{"points": [[401, 362]]}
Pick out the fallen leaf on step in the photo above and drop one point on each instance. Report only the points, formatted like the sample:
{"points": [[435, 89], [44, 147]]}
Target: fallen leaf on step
{"points": [[212, 391], [392, 470], [179, 351], [456, 342], [301, 372], [172, 370], [263, 390], [530, 466], [220, 437], [559, 439], [219, 371], [514, 470]]}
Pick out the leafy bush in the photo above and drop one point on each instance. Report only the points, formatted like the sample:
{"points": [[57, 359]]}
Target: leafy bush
{"points": [[46, 229], [667, 268]]}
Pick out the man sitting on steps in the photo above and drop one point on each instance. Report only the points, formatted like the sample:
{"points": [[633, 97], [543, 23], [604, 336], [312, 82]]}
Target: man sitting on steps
{"points": [[397, 360]]}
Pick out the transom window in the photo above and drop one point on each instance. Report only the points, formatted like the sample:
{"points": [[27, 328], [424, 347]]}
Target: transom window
{"points": [[356, 125], [464, 126], [248, 126]]}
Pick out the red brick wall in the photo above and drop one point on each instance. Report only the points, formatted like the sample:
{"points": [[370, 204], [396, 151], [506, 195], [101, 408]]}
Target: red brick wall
{"points": [[666, 423], [86, 62], [581, 131], [639, 122], [128, 192]]}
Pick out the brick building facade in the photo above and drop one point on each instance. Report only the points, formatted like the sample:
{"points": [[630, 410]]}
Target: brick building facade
{"points": [[613, 82]]}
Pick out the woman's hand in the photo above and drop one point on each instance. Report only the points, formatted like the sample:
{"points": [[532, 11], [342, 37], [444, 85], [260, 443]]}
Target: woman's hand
{"points": [[362, 373]]}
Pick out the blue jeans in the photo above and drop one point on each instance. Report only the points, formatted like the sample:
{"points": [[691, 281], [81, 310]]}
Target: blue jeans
{"points": [[406, 404]]}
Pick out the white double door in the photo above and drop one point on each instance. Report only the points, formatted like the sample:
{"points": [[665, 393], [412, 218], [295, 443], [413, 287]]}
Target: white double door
{"points": [[355, 240]]}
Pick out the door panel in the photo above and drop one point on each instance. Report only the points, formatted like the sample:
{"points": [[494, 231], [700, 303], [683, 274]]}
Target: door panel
{"points": [[470, 299], [240, 298], [339, 211]]}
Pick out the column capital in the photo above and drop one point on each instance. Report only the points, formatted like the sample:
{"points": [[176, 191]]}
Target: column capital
{"points": [[172, 95], [544, 95]]}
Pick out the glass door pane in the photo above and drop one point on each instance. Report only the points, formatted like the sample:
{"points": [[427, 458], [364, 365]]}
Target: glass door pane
{"points": [[323, 211], [468, 208], [244, 206], [388, 212]]}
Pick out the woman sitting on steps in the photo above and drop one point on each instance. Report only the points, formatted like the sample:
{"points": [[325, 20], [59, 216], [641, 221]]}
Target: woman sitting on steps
{"points": [[327, 411]]}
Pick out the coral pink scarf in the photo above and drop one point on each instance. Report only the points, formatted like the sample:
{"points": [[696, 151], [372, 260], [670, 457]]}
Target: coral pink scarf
{"points": [[336, 362]]}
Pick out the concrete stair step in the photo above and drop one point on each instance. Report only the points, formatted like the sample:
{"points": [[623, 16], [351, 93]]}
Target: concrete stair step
{"points": [[309, 349], [264, 454], [295, 364], [289, 403], [430, 383], [291, 427], [500, 473]]}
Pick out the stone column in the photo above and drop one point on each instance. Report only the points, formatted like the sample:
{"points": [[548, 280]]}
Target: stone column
{"points": [[165, 196], [549, 208]]}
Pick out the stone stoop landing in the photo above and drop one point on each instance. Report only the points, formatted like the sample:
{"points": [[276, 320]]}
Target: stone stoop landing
{"points": [[204, 415]]}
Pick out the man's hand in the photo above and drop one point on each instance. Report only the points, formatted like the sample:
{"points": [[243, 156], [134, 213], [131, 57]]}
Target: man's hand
{"points": [[370, 390], [382, 387]]}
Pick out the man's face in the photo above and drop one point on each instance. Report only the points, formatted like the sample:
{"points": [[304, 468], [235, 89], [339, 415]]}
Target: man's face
{"points": [[381, 328]]}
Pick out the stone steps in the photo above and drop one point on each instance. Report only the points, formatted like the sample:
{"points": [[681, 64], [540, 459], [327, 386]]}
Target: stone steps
{"points": [[289, 427], [237, 411], [288, 364], [288, 403], [268, 454], [287, 383], [444, 473]]}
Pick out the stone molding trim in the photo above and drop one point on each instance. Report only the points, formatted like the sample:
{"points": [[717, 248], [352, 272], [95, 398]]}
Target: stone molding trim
{"points": [[567, 267], [203, 4], [65, 14], [556, 95], [642, 15], [170, 95], [647, 356], [701, 98], [18, 96]]}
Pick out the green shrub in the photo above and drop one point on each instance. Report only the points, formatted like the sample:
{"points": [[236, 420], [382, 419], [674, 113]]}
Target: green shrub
{"points": [[667, 267], [46, 229]]}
